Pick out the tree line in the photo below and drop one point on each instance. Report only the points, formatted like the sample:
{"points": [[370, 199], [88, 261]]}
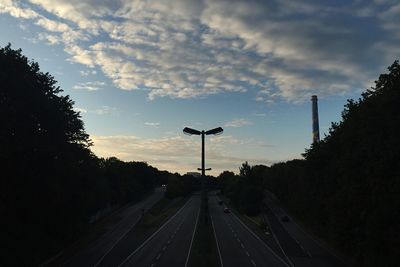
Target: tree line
{"points": [[347, 187], [52, 185]]}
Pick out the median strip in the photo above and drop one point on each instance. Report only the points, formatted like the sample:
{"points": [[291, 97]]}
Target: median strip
{"points": [[204, 251]]}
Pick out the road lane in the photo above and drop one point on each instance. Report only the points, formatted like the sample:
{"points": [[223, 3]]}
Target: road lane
{"points": [[238, 245], [291, 234], [170, 246], [94, 253]]}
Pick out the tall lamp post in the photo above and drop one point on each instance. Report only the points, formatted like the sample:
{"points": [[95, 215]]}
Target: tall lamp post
{"points": [[215, 131]]}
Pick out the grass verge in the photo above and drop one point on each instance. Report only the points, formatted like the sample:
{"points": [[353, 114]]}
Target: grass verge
{"points": [[204, 251], [147, 225], [160, 211], [154, 218], [319, 237]]}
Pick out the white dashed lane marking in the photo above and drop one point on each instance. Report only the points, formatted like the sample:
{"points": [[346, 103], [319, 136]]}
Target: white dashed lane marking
{"points": [[168, 242]]}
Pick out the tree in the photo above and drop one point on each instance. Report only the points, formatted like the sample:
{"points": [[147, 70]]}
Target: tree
{"points": [[347, 188], [43, 148], [244, 171], [52, 185]]}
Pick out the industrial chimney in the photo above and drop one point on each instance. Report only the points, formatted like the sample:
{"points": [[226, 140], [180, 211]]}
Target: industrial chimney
{"points": [[315, 123]]}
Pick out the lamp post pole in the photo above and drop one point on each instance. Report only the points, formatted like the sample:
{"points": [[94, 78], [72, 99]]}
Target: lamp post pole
{"points": [[190, 131], [203, 171], [203, 179]]}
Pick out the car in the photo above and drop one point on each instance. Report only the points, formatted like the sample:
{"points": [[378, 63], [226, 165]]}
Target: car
{"points": [[220, 202], [285, 218], [226, 210]]}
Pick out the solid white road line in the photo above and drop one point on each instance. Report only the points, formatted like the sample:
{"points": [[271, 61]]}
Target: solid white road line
{"points": [[216, 240], [259, 239], [277, 241], [191, 241], [116, 242], [156, 232]]}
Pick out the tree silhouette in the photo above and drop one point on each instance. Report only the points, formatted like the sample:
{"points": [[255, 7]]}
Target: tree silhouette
{"points": [[52, 185], [347, 189]]}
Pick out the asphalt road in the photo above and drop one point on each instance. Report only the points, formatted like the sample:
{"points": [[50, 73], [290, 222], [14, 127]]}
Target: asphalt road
{"points": [[170, 245], [100, 248], [302, 249], [238, 245]]}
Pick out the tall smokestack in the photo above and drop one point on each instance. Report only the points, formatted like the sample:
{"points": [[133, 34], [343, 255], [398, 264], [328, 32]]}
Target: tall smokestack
{"points": [[315, 123]]}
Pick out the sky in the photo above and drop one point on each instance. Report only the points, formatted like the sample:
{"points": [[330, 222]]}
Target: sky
{"points": [[141, 71]]}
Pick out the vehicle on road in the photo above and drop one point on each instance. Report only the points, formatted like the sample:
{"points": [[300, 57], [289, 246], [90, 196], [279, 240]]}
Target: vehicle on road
{"points": [[226, 210]]}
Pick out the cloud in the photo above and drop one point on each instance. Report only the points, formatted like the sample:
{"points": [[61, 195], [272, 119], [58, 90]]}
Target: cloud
{"points": [[10, 7], [80, 110], [152, 124], [188, 49], [177, 153], [86, 73], [105, 110], [89, 86], [236, 123]]}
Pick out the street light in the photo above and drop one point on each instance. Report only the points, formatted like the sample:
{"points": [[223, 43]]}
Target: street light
{"points": [[215, 131], [190, 131], [208, 169]]}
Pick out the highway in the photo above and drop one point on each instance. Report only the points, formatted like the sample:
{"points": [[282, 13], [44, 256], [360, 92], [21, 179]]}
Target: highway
{"points": [[100, 248], [299, 246], [238, 245], [170, 245]]}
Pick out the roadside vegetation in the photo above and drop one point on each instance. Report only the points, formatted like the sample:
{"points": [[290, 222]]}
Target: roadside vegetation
{"points": [[346, 189], [52, 186], [162, 210]]}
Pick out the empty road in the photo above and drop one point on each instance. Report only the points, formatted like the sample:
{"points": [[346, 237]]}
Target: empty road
{"points": [[170, 245], [117, 232]]}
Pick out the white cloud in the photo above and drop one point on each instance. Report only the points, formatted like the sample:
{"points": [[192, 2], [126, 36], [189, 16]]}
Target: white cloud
{"points": [[80, 110], [238, 123], [187, 49], [52, 25], [105, 110], [89, 86], [152, 124], [86, 73], [9, 6], [49, 38]]}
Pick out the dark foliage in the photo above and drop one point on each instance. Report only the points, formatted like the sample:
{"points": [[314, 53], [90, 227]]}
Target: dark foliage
{"points": [[181, 185], [347, 189], [52, 185], [245, 190]]}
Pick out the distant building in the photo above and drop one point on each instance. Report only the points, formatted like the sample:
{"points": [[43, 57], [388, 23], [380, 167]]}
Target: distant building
{"points": [[194, 174]]}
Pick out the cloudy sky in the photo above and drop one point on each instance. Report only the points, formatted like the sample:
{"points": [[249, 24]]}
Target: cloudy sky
{"points": [[140, 71]]}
